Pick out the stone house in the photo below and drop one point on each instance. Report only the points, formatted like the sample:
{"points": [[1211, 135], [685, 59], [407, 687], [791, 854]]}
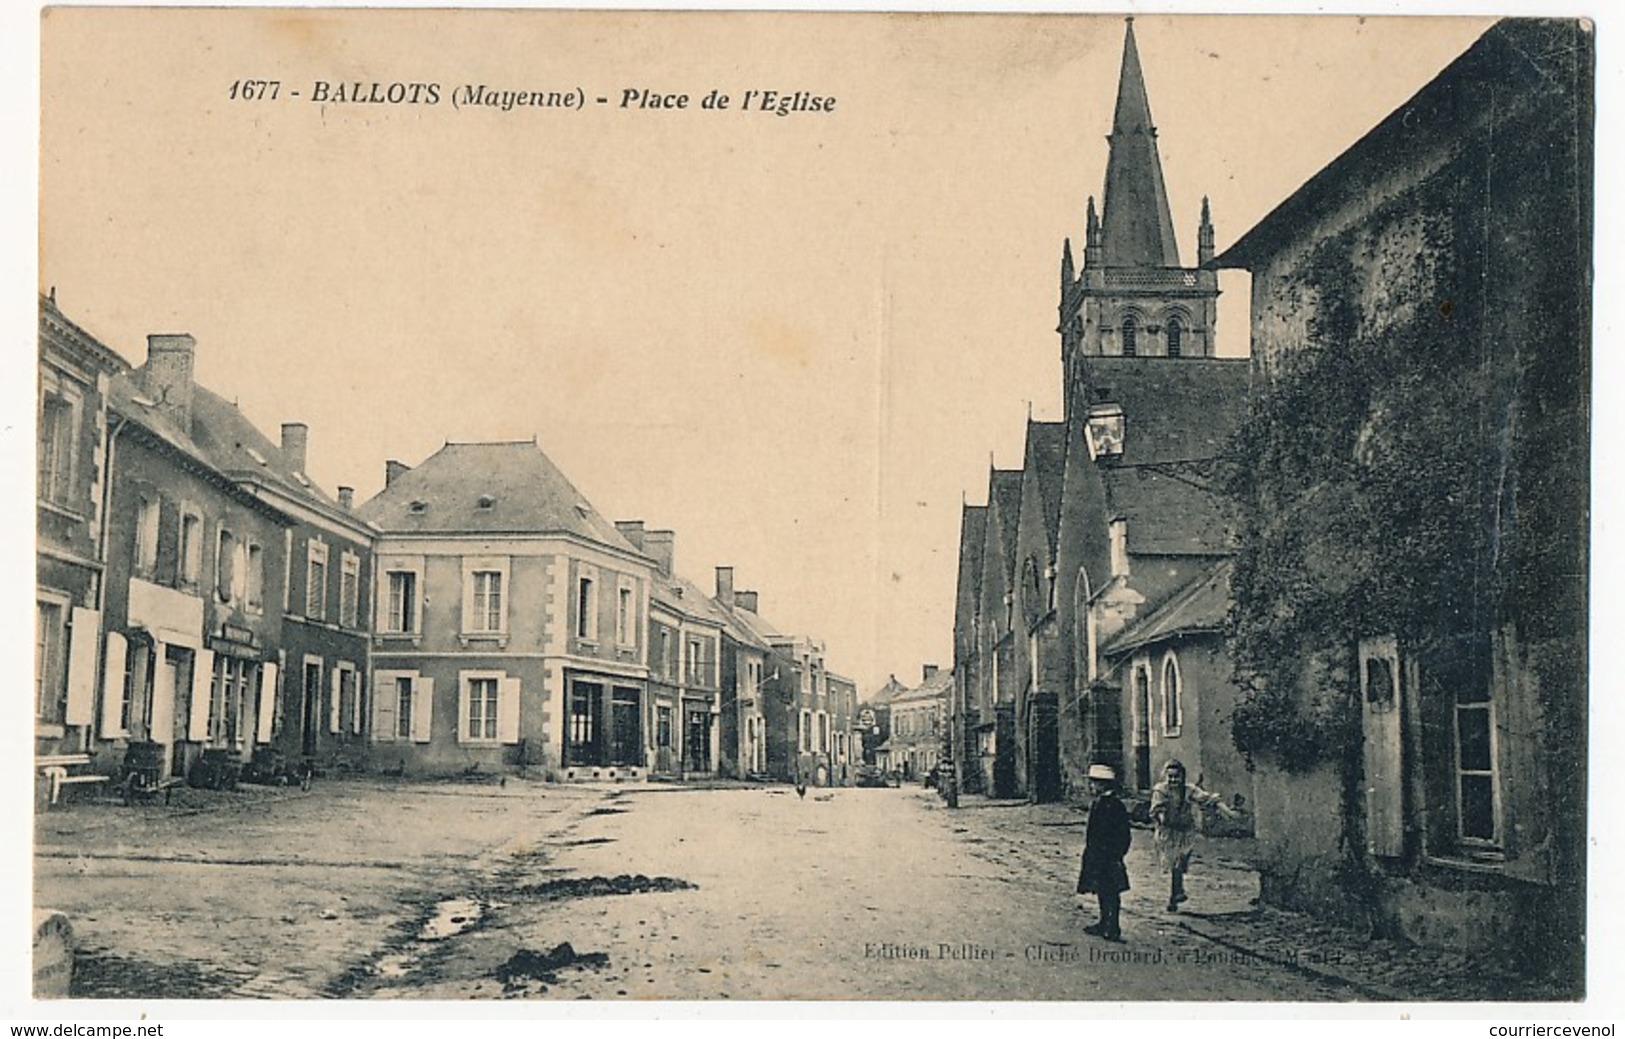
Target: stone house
{"points": [[511, 621], [75, 370], [1417, 516], [918, 718]]}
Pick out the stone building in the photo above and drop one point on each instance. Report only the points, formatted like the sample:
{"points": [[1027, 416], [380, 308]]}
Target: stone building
{"points": [[511, 620], [1113, 513], [1417, 518], [918, 717], [743, 725], [195, 570], [75, 370]]}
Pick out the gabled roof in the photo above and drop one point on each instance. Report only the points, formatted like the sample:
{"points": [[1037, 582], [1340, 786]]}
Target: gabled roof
{"points": [[1516, 63], [755, 625], [1004, 501], [1136, 228], [680, 596], [972, 529], [1176, 410], [1046, 463], [67, 336], [522, 492], [933, 688], [213, 440], [1198, 608], [886, 693]]}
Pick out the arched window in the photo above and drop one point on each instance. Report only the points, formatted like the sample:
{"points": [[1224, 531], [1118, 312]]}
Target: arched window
{"points": [[1176, 335], [1131, 333], [1172, 710]]}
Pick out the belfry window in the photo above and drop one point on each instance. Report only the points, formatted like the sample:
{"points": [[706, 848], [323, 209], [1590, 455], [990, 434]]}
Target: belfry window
{"points": [[1131, 335], [1176, 335]]}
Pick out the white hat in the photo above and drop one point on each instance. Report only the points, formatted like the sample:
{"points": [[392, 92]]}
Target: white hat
{"points": [[1102, 772]]}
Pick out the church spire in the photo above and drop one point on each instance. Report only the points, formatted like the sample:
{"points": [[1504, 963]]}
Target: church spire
{"points": [[1137, 230], [1068, 270]]}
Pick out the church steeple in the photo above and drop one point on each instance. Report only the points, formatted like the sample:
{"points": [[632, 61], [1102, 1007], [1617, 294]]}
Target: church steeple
{"points": [[1137, 230]]}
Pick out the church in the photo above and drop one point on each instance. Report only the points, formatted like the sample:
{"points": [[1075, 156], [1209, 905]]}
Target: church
{"points": [[1093, 582]]}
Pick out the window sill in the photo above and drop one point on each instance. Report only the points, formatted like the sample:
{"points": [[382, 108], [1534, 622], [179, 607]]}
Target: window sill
{"points": [[62, 510], [467, 638], [383, 637], [49, 730], [1489, 863]]}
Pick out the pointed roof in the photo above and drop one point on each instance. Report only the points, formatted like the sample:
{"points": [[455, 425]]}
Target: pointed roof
{"points": [[1046, 462], [508, 487], [1137, 229], [1004, 500]]}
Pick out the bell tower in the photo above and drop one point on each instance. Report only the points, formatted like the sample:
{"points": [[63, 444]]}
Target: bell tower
{"points": [[1132, 298]]}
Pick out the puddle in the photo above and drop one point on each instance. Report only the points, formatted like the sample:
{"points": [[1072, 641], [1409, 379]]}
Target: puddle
{"points": [[452, 917], [567, 888]]}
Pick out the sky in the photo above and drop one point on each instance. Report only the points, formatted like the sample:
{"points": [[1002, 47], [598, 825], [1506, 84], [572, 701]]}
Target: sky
{"points": [[797, 341]]}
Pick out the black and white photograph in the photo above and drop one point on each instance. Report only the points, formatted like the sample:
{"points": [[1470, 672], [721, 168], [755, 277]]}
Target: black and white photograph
{"points": [[811, 507]]}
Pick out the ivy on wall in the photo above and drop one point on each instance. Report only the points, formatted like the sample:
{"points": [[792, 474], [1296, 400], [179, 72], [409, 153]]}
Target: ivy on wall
{"points": [[1371, 478]]}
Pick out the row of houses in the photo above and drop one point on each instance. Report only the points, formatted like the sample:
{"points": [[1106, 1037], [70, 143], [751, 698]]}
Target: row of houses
{"points": [[200, 596], [1343, 577]]}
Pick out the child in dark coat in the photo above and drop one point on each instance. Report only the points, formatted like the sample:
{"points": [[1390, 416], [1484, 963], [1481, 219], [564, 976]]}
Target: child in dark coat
{"points": [[1105, 844]]}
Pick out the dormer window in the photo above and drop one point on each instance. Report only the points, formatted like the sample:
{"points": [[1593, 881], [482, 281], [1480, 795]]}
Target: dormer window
{"points": [[418, 508], [486, 502], [1103, 430]]}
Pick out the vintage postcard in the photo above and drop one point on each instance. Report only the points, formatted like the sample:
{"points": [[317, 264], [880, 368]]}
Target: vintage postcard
{"points": [[743, 506]]}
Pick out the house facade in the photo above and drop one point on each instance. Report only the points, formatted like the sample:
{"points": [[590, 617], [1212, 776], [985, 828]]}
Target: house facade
{"points": [[75, 372], [510, 621], [1421, 334], [195, 569], [918, 719], [742, 724]]}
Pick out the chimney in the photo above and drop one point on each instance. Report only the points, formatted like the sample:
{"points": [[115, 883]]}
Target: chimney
{"points": [[747, 601], [631, 530], [661, 546], [346, 498], [393, 470], [725, 586], [295, 438], [168, 376], [928, 672]]}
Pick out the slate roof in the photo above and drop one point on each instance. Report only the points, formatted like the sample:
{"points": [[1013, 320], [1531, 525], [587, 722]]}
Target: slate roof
{"points": [[1175, 409], [682, 596], [1046, 462], [972, 529], [1004, 492], [1136, 229], [528, 494], [1198, 608], [224, 439], [936, 687], [886, 693]]}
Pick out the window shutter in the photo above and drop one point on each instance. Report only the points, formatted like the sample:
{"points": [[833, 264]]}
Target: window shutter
{"points": [[265, 715], [508, 710], [334, 720], [113, 685], [1381, 699], [197, 724], [163, 697], [84, 641], [384, 706], [462, 710], [422, 708], [357, 705]]}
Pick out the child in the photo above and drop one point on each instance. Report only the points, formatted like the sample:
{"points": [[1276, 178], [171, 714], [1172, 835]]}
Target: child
{"points": [[1105, 843], [1174, 804]]}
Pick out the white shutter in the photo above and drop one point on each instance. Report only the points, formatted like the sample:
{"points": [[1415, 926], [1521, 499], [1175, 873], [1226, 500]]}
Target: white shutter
{"points": [[356, 705], [1381, 702], [422, 708], [385, 703], [163, 696], [334, 721], [508, 710], [84, 642], [462, 709], [113, 685], [197, 725], [265, 715]]}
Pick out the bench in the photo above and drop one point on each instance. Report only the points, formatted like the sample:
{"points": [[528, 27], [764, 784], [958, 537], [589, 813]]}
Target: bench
{"points": [[56, 770]]}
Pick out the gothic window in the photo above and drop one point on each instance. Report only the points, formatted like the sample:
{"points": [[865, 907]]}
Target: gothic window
{"points": [[1131, 334], [1176, 335]]}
